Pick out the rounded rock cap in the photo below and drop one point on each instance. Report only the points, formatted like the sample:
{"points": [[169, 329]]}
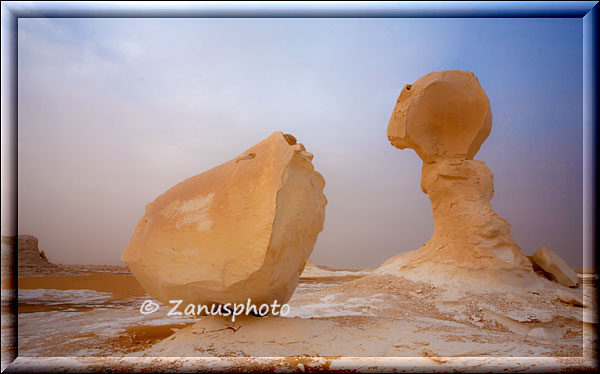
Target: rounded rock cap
{"points": [[444, 114]]}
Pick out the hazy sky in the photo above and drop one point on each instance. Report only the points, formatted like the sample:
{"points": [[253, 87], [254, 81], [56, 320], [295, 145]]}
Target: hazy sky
{"points": [[113, 112]]}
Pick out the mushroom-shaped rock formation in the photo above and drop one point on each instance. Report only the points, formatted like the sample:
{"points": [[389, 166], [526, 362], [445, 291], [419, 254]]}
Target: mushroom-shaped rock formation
{"points": [[445, 117], [243, 229]]}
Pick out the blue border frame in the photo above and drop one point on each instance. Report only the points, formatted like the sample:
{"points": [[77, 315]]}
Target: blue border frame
{"points": [[313, 9], [588, 10]]}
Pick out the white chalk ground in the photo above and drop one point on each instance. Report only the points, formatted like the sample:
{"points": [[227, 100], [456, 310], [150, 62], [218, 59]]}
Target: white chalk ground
{"points": [[417, 325], [57, 297], [383, 315], [84, 319]]}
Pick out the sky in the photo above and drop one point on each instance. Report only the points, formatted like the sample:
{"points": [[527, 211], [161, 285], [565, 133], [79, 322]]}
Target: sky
{"points": [[113, 112]]}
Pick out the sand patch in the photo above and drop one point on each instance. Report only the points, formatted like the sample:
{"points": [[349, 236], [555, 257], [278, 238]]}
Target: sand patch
{"points": [[119, 285]]}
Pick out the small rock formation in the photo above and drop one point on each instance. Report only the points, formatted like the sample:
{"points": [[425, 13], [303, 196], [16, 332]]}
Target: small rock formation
{"points": [[30, 259], [243, 229], [445, 117], [569, 297], [554, 267], [314, 271], [309, 269]]}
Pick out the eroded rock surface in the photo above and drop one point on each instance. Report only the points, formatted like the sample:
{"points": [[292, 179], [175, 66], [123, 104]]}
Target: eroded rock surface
{"points": [[243, 229]]}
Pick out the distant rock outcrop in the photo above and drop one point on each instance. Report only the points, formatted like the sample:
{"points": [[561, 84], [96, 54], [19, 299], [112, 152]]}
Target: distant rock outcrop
{"points": [[31, 260], [314, 271], [445, 117], [243, 229]]}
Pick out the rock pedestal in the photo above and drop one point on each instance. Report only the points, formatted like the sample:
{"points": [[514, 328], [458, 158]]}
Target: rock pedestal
{"points": [[445, 117]]}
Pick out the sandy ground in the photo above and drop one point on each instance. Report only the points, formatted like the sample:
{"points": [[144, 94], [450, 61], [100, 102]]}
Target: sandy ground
{"points": [[96, 314], [118, 285]]}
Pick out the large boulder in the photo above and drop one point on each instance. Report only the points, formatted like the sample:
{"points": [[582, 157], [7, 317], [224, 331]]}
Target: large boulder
{"points": [[554, 267], [243, 229]]}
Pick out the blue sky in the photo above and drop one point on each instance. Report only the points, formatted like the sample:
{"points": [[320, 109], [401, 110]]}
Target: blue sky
{"points": [[112, 112]]}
